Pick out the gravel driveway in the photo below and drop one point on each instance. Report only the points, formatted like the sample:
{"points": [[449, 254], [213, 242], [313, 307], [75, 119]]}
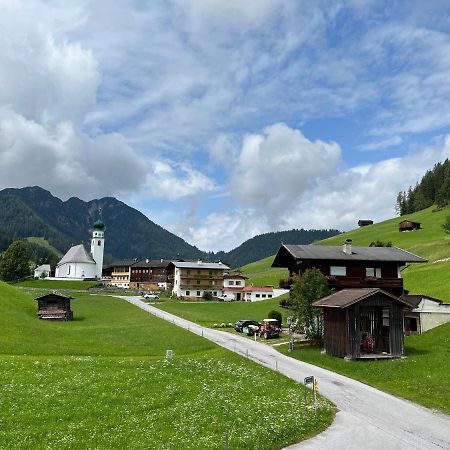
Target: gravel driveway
{"points": [[367, 418]]}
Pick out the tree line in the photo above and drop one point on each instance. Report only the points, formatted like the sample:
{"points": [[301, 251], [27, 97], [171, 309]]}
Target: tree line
{"points": [[433, 188]]}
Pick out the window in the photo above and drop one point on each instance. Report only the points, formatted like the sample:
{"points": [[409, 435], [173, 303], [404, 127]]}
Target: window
{"points": [[339, 271], [263, 295], [231, 282], [215, 293], [269, 295], [188, 293], [99, 243], [213, 282], [198, 293], [373, 272], [198, 281], [238, 283], [257, 295]]}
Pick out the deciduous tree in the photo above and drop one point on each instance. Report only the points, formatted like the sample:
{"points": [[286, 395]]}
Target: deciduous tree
{"points": [[14, 264]]}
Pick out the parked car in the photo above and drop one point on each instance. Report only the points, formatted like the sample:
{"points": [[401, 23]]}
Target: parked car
{"points": [[151, 296], [238, 326], [226, 298]]}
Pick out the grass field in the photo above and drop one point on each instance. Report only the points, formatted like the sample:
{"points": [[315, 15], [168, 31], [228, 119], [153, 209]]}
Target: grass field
{"points": [[209, 313], [422, 376], [58, 284], [101, 381], [261, 274]]}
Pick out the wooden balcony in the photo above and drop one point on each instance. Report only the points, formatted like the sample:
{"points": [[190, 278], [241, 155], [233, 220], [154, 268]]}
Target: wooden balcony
{"points": [[390, 284]]}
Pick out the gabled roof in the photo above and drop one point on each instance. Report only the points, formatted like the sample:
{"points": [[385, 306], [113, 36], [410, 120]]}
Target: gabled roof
{"points": [[45, 267], [199, 265], [415, 299], [336, 253], [347, 297], [77, 254], [257, 289], [151, 263], [53, 294]]}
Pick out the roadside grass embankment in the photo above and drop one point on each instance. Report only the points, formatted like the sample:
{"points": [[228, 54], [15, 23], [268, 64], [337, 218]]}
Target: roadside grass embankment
{"points": [[101, 381], [210, 313], [422, 377], [58, 285]]}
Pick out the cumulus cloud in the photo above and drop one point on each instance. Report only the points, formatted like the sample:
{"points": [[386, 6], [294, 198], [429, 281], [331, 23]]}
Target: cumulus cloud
{"points": [[276, 167]]}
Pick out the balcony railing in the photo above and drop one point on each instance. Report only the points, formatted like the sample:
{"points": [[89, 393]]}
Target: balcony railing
{"points": [[352, 282]]}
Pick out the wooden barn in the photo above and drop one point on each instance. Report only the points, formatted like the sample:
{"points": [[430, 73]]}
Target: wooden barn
{"points": [[54, 306], [408, 225], [364, 222], [363, 324]]}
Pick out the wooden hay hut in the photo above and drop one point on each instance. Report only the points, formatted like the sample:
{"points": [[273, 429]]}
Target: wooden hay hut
{"points": [[363, 323], [408, 225], [54, 306], [364, 222]]}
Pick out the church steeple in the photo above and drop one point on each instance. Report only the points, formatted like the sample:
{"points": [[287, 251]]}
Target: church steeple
{"points": [[98, 246]]}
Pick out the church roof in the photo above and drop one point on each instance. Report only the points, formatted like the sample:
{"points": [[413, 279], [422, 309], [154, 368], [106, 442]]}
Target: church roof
{"points": [[77, 254], [99, 225]]}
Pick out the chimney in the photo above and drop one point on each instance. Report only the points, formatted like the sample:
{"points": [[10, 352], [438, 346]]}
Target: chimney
{"points": [[162, 260], [347, 247], [146, 261], [199, 261]]}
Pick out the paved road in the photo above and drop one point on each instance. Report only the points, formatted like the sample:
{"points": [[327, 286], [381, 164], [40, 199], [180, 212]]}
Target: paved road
{"points": [[367, 418]]}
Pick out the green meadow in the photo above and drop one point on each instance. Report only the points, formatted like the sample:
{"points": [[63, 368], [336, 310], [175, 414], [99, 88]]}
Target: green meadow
{"points": [[58, 285], [210, 313], [102, 381]]}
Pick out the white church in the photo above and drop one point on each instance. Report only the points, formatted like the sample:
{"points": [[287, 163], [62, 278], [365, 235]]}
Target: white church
{"points": [[78, 263]]}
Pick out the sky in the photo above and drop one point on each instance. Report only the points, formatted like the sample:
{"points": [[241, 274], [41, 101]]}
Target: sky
{"points": [[224, 119]]}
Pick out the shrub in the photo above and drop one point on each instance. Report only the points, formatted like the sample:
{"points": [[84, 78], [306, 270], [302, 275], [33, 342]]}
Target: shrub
{"points": [[207, 296], [275, 315]]}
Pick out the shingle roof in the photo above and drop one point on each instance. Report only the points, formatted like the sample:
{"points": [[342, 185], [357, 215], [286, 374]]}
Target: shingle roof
{"points": [[199, 265], [347, 297], [257, 289], [77, 254], [318, 252], [152, 263]]}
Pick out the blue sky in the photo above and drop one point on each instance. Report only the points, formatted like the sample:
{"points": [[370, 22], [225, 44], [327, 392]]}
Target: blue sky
{"points": [[221, 119]]}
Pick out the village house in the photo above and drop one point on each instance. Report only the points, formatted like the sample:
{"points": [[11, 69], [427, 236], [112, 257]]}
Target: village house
{"points": [[42, 271], [118, 274], [426, 313], [149, 274], [348, 266], [193, 279]]}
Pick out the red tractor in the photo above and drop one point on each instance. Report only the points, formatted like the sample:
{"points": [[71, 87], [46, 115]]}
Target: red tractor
{"points": [[269, 329]]}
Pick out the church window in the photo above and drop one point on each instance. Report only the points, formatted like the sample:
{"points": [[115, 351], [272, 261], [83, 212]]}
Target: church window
{"points": [[99, 243]]}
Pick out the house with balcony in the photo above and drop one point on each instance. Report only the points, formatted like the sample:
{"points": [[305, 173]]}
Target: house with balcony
{"points": [[149, 274], [118, 274], [192, 279], [348, 266]]}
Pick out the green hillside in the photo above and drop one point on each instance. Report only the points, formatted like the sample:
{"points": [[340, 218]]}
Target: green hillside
{"points": [[430, 242]]}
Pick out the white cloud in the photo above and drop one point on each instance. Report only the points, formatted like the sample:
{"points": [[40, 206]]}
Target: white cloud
{"points": [[276, 167]]}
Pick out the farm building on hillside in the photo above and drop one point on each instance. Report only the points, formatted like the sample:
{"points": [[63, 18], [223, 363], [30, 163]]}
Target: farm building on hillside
{"points": [[365, 222], [257, 293], [54, 306], [347, 266], [408, 225], [363, 323], [149, 274], [427, 313]]}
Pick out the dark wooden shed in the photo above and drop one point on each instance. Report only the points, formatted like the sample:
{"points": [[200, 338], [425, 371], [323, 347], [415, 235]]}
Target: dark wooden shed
{"points": [[54, 306], [364, 222], [408, 225], [363, 323]]}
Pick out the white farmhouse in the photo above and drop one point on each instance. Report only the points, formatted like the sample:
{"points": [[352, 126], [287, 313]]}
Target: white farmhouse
{"points": [[78, 263], [42, 271]]}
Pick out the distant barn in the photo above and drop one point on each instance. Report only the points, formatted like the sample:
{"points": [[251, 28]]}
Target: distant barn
{"points": [[364, 223], [408, 225], [54, 306]]}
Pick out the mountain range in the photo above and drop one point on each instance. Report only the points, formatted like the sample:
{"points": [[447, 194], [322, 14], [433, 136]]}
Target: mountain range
{"points": [[33, 212]]}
